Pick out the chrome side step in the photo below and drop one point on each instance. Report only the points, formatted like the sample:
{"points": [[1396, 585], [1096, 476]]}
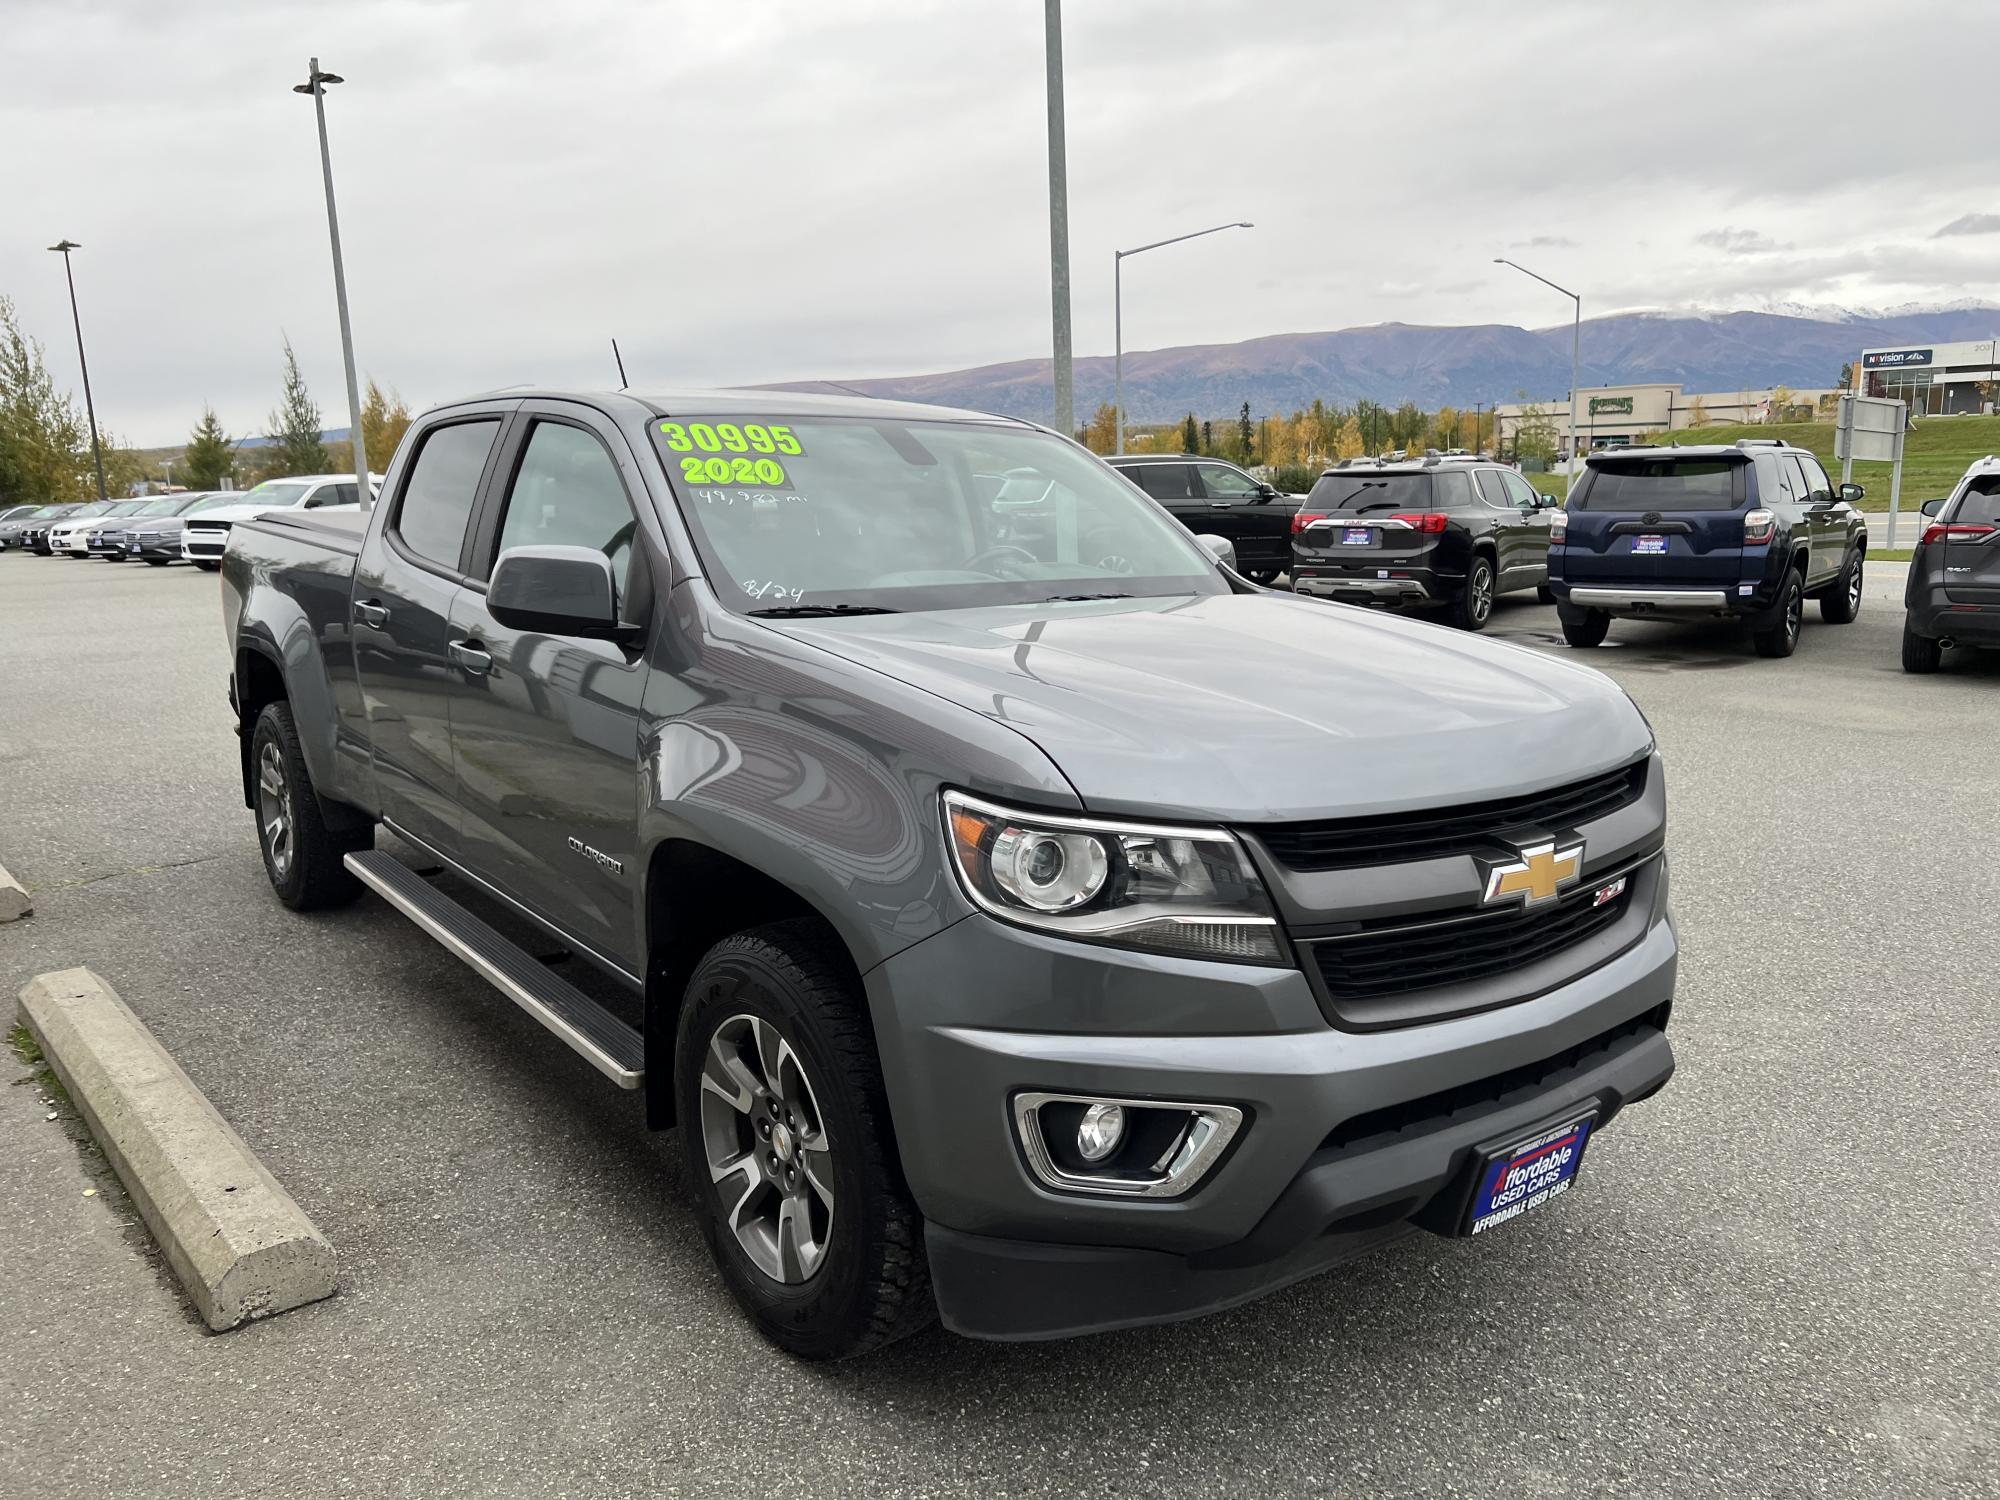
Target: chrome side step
{"points": [[609, 1045]]}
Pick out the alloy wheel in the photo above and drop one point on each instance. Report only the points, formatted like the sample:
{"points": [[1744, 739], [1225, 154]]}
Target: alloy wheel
{"points": [[1795, 611], [1854, 587], [766, 1146], [274, 808], [1482, 592]]}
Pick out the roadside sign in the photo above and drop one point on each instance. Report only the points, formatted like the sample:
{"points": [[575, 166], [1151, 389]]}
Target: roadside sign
{"points": [[1871, 428]]}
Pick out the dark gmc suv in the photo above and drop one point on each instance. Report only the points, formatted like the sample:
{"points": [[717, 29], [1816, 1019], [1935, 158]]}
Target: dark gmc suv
{"points": [[1215, 498], [1747, 532], [1953, 596], [1439, 532]]}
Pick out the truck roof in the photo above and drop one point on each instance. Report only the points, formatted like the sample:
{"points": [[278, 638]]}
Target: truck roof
{"points": [[754, 401]]}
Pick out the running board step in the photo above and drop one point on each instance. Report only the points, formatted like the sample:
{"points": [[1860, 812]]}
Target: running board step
{"points": [[609, 1045]]}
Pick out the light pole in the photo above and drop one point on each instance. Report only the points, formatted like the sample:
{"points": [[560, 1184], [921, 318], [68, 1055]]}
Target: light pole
{"points": [[315, 84], [1575, 344], [63, 248], [1118, 307], [1058, 221]]}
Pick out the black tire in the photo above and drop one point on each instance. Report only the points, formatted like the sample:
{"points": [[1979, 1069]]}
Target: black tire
{"points": [[1584, 629], [871, 1283], [1921, 654], [1781, 637], [154, 562], [1263, 576], [1842, 602], [207, 567], [1474, 605], [1544, 594], [305, 867]]}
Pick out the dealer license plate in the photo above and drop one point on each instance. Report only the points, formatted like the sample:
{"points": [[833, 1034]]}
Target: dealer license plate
{"points": [[1655, 545], [1528, 1174], [1358, 536]]}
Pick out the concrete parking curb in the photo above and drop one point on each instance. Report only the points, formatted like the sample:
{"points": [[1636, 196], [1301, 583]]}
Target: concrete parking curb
{"points": [[241, 1247], [14, 898]]}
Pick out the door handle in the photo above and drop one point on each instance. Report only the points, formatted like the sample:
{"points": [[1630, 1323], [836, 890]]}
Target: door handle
{"points": [[372, 612], [472, 657]]}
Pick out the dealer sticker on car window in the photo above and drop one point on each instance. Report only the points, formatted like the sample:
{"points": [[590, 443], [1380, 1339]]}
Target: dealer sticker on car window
{"points": [[733, 453]]}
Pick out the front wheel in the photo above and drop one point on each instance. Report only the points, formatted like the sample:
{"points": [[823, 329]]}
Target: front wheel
{"points": [[207, 567], [786, 1131], [1263, 576], [1474, 605], [154, 562], [1781, 636], [304, 858], [1841, 603]]}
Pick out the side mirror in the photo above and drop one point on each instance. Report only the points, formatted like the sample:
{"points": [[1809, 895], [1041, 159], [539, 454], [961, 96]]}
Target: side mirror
{"points": [[554, 591], [1218, 547], [1931, 507], [1851, 492], [1267, 491]]}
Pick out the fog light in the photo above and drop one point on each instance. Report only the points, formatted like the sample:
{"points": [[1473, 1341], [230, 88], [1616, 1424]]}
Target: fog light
{"points": [[1102, 1128]]}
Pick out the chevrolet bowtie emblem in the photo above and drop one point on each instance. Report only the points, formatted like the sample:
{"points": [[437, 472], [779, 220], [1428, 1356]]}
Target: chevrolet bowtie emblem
{"points": [[1541, 873]]}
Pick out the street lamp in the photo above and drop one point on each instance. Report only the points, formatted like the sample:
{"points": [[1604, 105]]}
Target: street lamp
{"points": [[315, 84], [63, 248], [1575, 343], [1118, 306], [1065, 414]]}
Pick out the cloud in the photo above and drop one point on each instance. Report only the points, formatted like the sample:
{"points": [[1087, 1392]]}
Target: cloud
{"points": [[1739, 242], [1545, 242], [1971, 224]]}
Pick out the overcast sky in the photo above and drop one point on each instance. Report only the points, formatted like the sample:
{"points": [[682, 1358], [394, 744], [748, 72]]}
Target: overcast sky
{"points": [[795, 188]]}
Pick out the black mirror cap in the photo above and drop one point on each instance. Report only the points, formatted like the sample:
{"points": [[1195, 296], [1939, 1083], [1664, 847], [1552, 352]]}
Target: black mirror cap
{"points": [[1852, 492], [554, 591], [1268, 491], [1933, 507]]}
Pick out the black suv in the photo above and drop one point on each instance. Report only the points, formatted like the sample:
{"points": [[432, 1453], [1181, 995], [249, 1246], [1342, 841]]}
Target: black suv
{"points": [[1745, 532], [1208, 495], [1953, 596], [1440, 532]]}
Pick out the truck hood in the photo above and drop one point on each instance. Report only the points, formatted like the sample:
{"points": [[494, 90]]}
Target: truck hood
{"points": [[1257, 708]]}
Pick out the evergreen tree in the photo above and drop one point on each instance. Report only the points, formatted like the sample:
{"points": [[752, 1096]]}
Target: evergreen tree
{"points": [[44, 444], [1190, 435], [1244, 433], [209, 456], [295, 446], [1208, 437]]}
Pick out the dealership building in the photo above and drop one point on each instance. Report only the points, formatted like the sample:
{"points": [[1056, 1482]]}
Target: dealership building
{"points": [[1611, 415], [1934, 379]]}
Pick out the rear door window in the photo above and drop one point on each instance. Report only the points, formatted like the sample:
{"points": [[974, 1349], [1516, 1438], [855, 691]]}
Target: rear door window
{"points": [[1162, 481], [1363, 492], [438, 495], [1662, 484]]}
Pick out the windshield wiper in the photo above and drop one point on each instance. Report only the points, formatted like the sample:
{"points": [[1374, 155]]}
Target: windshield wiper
{"points": [[1079, 598], [809, 611]]}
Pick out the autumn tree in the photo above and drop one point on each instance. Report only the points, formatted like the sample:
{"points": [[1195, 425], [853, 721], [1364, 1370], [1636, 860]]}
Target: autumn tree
{"points": [[209, 456], [384, 420], [295, 446], [1348, 443], [1101, 436], [1535, 436], [1698, 413]]}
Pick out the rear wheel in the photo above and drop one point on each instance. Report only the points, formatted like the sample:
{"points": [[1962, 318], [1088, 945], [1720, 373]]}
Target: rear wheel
{"points": [[207, 567], [302, 855], [786, 1130], [1264, 576], [1841, 603], [1584, 629], [1545, 595], [1920, 653], [154, 562], [1474, 605], [1781, 636]]}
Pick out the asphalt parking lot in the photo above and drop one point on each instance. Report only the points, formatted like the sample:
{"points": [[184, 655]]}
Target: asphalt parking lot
{"points": [[1777, 1278]]}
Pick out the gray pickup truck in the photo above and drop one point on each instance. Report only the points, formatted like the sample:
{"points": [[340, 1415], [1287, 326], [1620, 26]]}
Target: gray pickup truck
{"points": [[1025, 919]]}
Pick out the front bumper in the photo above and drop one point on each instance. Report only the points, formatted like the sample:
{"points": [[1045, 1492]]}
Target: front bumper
{"points": [[1350, 1139]]}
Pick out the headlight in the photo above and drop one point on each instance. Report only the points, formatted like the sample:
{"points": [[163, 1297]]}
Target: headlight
{"points": [[1189, 891]]}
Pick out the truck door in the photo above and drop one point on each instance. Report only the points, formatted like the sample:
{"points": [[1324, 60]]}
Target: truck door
{"points": [[545, 728], [1257, 525], [1829, 528], [409, 573]]}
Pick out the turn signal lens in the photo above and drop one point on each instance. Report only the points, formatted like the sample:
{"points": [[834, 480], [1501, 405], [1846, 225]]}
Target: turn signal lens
{"points": [[1430, 522], [1759, 527], [1938, 532], [1301, 519]]}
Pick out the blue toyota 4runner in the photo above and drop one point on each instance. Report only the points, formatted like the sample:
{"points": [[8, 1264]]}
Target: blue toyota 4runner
{"points": [[1745, 532]]}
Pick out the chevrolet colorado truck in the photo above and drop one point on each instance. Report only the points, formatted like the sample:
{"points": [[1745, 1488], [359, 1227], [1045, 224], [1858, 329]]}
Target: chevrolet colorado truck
{"points": [[1029, 920]]}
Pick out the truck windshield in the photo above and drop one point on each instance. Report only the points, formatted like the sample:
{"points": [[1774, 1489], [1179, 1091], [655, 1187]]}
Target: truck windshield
{"points": [[853, 514], [1662, 484], [1364, 492]]}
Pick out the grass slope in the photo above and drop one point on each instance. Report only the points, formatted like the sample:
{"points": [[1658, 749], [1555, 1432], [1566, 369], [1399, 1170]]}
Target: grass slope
{"points": [[1935, 453]]}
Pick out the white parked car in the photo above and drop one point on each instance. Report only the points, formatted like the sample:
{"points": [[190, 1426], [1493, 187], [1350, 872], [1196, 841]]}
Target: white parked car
{"points": [[70, 537], [206, 534]]}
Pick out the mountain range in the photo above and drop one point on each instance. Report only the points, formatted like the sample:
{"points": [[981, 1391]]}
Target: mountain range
{"points": [[1802, 347]]}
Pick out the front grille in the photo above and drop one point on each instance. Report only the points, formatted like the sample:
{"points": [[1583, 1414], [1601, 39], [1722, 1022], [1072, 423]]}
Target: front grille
{"points": [[1437, 833], [1460, 950]]}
